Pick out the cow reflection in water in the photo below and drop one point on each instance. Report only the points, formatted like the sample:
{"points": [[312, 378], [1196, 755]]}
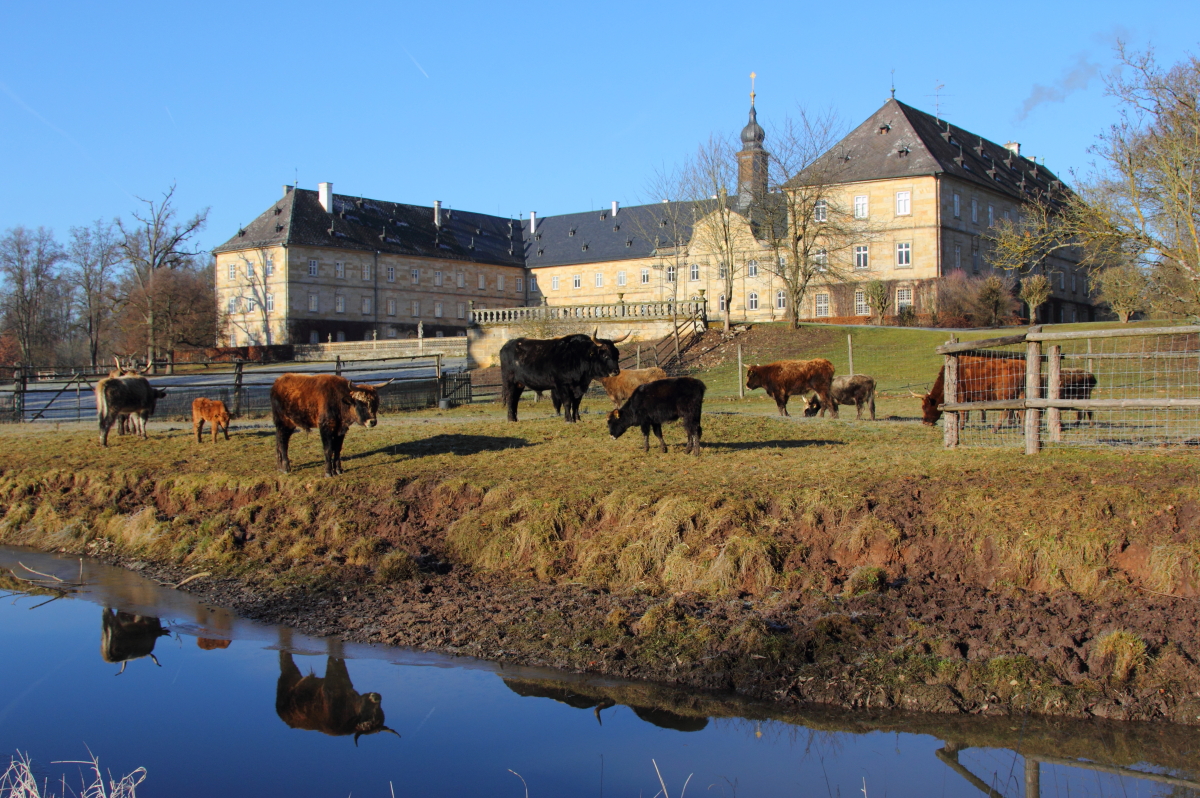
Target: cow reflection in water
{"points": [[663, 718], [125, 636], [327, 704]]}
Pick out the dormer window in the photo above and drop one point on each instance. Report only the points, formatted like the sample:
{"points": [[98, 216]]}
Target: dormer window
{"points": [[572, 232], [884, 128]]}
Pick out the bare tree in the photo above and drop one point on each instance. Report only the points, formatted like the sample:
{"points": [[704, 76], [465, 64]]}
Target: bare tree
{"points": [[152, 241], [804, 217], [879, 297], [1141, 202], [185, 307], [254, 316], [29, 262], [718, 230], [1035, 290], [94, 258], [1123, 288]]}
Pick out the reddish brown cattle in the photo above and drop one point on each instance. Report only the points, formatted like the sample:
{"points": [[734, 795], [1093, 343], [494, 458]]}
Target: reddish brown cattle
{"points": [[327, 402], [620, 387], [783, 378], [328, 704], [980, 379], [213, 411]]}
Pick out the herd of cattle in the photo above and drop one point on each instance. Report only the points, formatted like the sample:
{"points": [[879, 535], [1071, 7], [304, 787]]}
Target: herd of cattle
{"points": [[567, 366]]}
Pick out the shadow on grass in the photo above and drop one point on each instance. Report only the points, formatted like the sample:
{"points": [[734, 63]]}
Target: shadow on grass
{"points": [[788, 444], [447, 444]]}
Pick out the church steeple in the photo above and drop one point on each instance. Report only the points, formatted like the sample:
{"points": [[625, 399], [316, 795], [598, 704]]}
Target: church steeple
{"points": [[752, 159]]}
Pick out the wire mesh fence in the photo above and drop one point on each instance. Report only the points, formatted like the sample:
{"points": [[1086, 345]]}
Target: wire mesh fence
{"points": [[419, 382], [1102, 388]]}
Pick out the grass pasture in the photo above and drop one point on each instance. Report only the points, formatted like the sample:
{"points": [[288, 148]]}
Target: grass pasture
{"points": [[773, 504]]}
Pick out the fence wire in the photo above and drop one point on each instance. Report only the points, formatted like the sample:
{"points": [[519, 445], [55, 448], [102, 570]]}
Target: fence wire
{"points": [[1133, 372]]}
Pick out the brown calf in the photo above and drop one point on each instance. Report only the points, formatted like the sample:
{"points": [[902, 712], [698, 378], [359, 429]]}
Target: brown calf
{"points": [[783, 378], [620, 387], [213, 411], [980, 379], [325, 401]]}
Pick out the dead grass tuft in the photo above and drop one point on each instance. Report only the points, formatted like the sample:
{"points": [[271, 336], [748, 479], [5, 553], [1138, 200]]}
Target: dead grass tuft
{"points": [[396, 566], [1119, 655], [866, 579]]}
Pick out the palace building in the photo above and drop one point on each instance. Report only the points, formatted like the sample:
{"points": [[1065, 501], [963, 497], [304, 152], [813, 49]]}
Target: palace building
{"points": [[317, 266]]}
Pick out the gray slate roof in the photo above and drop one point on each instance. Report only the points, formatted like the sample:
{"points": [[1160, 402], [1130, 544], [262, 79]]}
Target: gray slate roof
{"points": [[914, 143]]}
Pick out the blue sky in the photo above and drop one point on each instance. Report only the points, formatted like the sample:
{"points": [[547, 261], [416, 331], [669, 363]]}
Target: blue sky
{"points": [[506, 108]]}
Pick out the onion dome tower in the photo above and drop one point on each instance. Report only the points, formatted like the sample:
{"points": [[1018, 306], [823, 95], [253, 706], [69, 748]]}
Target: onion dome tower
{"points": [[752, 159]]}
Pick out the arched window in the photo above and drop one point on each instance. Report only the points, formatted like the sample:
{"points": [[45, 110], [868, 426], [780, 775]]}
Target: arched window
{"points": [[780, 299], [694, 273], [721, 303], [752, 301], [752, 269]]}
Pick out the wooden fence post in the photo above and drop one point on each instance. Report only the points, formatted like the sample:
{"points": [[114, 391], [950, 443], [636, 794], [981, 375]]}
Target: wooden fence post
{"points": [[741, 371], [171, 362], [1033, 388], [20, 385], [1053, 390], [337, 365], [437, 364], [951, 420], [639, 354], [237, 388], [850, 351]]}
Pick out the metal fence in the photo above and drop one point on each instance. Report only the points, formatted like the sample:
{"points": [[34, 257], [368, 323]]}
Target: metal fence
{"points": [[420, 381], [1135, 388]]}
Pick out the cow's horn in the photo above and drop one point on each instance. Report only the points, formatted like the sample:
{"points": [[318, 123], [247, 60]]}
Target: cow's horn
{"points": [[381, 385], [117, 360], [917, 395], [389, 731], [596, 334], [623, 337]]}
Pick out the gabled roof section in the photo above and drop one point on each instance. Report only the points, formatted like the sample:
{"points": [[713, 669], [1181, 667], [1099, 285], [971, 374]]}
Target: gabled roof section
{"points": [[374, 225], [901, 141], [597, 236]]}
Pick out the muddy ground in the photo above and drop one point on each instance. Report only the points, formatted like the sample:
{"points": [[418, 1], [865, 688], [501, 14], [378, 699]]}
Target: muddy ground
{"points": [[936, 646]]}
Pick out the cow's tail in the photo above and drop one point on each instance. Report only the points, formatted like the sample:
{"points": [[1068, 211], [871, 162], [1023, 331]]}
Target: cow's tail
{"points": [[101, 401]]}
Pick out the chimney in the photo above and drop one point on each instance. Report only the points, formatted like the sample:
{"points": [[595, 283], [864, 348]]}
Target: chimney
{"points": [[616, 207], [325, 194], [1014, 147], [437, 213], [532, 222], [287, 189]]}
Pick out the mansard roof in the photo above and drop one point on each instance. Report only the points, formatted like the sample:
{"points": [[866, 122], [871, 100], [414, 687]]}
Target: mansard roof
{"points": [[901, 141], [636, 231]]}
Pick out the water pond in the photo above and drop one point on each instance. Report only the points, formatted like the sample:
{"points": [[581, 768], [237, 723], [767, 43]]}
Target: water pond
{"points": [[210, 704]]}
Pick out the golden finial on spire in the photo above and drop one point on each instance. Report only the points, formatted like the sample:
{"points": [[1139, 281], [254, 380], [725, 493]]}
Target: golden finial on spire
{"points": [[752, 77]]}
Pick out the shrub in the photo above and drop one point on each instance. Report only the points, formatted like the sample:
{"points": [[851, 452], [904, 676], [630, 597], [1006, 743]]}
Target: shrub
{"points": [[1119, 655]]}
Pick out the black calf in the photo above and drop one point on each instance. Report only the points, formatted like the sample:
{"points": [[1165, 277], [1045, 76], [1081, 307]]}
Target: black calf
{"points": [[655, 403]]}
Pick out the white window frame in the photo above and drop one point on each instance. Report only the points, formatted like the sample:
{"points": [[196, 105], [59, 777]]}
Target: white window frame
{"points": [[233, 304], [270, 303], [821, 306], [269, 267], [437, 310], [233, 339], [991, 215], [599, 279], [903, 254], [781, 299], [339, 304], [249, 270], [232, 272], [862, 257], [520, 285], [554, 283], [721, 303], [482, 281], [251, 304], [461, 279], [391, 274], [462, 310], [621, 279], [975, 211], [671, 273], [314, 267], [862, 206], [339, 269], [533, 286], [391, 307], [861, 308], [820, 211], [957, 206], [414, 276], [414, 308], [645, 276], [499, 282], [438, 279], [366, 271], [904, 298], [904, 203], [577, 281], [694, 272], [314, 303], [366, 306], [821, 260], [958, 256], [391, 332], [752, 301], [751, 268]]}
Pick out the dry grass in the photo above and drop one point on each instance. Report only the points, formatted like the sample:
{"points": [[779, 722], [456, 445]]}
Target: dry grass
{"points": [[1119, 656], [766, 507], [19, 781]]}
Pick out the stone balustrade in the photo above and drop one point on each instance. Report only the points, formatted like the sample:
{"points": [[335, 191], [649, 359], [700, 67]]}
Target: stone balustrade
{"points": [[682, 309]]}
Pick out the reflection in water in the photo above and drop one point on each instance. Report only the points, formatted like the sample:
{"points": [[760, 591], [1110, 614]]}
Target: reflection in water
{"points": [[663, 718], [209, 644], [327, 704], [125, 636]]}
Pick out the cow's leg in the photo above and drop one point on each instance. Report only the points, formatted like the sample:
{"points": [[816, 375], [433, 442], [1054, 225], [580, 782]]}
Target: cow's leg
{"points": [[226, 429], [106, 423], [646, 436], [198, 428], [282, 436], [327, 447], [338, 440], [512, 396], [827, 400], [658, 434], [215, 426], [872, 406], [693, 432], [781, 401]]}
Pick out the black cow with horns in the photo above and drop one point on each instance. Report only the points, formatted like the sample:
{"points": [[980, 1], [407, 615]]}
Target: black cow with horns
{"points": [[564, 366]]}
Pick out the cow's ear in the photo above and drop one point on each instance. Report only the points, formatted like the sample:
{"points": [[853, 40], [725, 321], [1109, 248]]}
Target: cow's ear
{"points": [[616, 413]]}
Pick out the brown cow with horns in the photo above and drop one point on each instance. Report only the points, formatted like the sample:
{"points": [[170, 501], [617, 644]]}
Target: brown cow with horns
{"points": [[784, 378], [325, 401]]}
